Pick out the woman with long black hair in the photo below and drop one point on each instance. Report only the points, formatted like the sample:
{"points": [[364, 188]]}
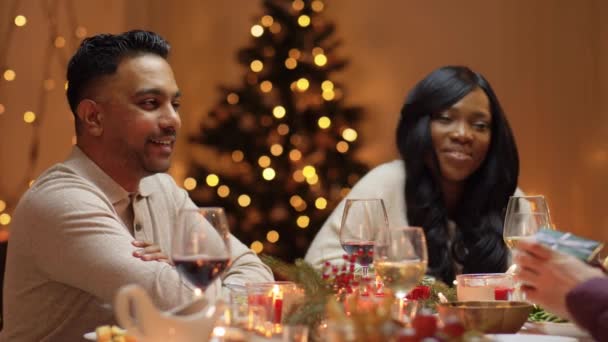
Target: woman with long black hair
{"points": [[458, 167]]}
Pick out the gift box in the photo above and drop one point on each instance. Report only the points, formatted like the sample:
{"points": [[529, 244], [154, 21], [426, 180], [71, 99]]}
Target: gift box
{"points": [[569, 243]]}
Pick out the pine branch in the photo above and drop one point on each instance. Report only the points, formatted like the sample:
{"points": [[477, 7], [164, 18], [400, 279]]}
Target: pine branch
{"points": [[301, 273], [437, 287]]}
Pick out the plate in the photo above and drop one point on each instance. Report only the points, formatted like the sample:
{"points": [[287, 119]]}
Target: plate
{"points": [[552, 328], [530, 338], [90, 336]]}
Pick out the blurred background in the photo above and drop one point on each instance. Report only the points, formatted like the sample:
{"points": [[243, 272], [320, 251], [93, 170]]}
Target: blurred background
{"points": [[546, 59]]}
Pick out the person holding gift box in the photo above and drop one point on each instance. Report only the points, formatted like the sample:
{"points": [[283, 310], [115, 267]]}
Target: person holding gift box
{"points": [[564, 285], [459, 165]]}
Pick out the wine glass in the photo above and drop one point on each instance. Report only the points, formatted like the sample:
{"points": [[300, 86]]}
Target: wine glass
{"points": [[401, 261], [525, 216], [363, 222], [201, 245]]}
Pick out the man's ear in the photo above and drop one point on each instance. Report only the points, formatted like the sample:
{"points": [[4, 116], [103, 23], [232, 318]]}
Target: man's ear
{"points": [[91, 117]]}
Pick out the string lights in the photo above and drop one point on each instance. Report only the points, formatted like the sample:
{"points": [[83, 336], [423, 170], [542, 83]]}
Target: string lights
{"points": [[33, 116]]}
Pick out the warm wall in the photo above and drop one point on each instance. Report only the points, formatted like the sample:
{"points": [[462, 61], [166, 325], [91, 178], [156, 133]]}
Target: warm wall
{"points": [[547, 60]]}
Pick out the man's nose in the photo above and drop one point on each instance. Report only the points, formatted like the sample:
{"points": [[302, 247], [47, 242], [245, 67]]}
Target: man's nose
{"points": [[170, 118]]}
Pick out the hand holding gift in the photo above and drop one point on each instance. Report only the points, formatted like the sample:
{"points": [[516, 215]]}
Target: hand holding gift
{"points": [[548, 276]]}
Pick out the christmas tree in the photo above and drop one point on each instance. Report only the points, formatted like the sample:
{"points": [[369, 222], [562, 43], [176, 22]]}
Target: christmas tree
{"points": [[282, 141]]}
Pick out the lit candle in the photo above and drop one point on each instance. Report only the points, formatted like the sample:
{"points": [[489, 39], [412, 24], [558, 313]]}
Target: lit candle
{"points": [[277, 303]]}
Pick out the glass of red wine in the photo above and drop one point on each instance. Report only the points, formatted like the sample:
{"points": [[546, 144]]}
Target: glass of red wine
{"points": [[364, 222], [201, 245]]}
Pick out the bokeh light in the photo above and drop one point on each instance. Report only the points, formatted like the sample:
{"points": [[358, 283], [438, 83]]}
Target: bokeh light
{"points": [[321, 203], [303, 221], [324, 122], [256, 65], [29, 117], [257, 247], [342, 147], [257, 30], [272, 236], [304, 20], [244, 200], [223, 191], [349, 134], [212, 180], [189, 183], [20, 20], [237, 156], [268, 174], [279, 112], [9, 75]]}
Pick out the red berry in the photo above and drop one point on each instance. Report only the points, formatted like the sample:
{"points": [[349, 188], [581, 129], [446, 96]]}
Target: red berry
{"points": [[419, 292], [425, 325], [453, 328]]}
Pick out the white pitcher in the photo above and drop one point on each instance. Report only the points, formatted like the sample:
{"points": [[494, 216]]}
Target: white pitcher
{"points": [[139, 316]]}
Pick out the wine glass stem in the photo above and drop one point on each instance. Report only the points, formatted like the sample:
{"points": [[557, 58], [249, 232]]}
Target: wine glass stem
{"points": [[406, 311], [518, 293]]}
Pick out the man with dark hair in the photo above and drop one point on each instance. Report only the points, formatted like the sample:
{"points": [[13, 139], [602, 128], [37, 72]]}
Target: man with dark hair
{"points": [[102, 218]]}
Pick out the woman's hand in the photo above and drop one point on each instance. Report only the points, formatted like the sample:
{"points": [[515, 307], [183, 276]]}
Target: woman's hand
{"points": [[548, 276], [150, 252]]}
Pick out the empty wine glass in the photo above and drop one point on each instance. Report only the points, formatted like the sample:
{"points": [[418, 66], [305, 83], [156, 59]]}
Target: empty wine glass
{"points": [[363, 222], [201, 245]]}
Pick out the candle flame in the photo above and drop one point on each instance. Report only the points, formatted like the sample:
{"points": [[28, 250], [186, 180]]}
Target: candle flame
{"points": [[277, 292], [219, 331]]}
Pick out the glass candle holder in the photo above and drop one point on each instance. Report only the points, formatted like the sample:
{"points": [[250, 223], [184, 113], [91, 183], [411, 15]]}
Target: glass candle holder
{"points": [[484, 287], [276, 298]]}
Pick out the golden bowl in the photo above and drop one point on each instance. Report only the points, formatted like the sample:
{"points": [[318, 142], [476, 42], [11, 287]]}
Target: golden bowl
{"points": [[495, 317]]}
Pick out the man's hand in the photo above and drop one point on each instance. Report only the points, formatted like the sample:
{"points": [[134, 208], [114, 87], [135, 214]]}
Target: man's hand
{"points": [[548, 276], [150, 252]]}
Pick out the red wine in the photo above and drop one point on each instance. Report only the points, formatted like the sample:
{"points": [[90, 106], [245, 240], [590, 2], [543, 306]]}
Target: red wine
{"points": [[362, 250], [201, 270]]}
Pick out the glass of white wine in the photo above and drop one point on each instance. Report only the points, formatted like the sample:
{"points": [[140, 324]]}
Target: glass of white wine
{"points": [[525, 216], [401, 261]]}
